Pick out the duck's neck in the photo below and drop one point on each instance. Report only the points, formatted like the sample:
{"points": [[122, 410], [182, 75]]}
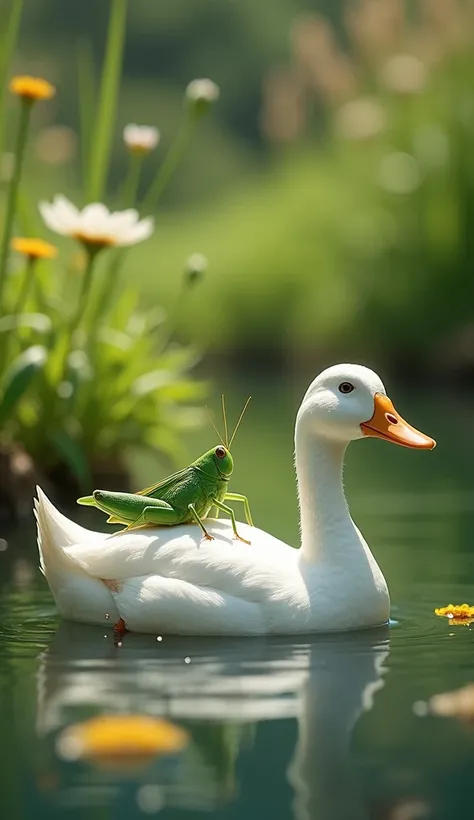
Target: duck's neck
{"points": [[327, 529]]}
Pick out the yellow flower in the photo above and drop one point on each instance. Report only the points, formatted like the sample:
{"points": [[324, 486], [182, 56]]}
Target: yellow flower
{"points": [[119, 739], [457, 613], [32, 88], [34, 248]]}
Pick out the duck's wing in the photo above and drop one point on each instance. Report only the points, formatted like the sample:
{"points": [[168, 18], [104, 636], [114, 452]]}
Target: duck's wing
{"points": [[180, 552], [163, 605]]}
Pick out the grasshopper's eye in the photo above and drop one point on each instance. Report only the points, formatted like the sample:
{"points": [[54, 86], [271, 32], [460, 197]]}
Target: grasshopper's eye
{"points": [[220, 452]]}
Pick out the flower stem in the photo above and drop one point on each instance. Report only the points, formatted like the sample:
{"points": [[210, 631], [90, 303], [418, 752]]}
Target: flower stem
{"points": [[170, 163], [174, 314], [25, 288], [107, 104], [128, 196], [110, 284], [10, 27], [13, 193], [81, 304], [22, 296]]}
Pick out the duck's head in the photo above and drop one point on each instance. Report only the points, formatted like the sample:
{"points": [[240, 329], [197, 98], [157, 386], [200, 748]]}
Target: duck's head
{"points": [[348, 401]]}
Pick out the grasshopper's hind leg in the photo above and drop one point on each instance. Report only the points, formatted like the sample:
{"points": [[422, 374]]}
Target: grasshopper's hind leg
{"points": [[245, 502], [159, 513]]}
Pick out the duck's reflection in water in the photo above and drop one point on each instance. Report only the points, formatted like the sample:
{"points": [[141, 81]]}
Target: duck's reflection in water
{"points": [[219, 690]]}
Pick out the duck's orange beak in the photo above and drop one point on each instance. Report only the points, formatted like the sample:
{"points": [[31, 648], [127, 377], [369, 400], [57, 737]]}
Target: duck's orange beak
{"points": [[386, 423]]}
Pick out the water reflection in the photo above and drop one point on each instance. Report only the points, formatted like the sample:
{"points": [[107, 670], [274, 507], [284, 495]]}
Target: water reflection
{"points": [[222, 692]]}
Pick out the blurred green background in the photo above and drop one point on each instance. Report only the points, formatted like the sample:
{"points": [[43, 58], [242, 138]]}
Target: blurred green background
{"points": [[332, 188]]}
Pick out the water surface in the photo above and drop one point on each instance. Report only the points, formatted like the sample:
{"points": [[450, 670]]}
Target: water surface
{"points": [[306, 728]]}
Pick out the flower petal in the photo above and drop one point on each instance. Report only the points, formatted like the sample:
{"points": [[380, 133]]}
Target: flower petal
{"points": [[51, 218], [66, 208], [94, 220], [139, 232], [60, 215], [121, 222], [130, 132]]}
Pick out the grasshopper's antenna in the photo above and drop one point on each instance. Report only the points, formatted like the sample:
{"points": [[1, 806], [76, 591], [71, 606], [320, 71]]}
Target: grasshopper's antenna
{"points": [[224, 416], [240, 419], [214, 425]]}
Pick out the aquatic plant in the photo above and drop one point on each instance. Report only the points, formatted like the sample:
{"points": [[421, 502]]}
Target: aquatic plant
{"points": [[86, 372]]}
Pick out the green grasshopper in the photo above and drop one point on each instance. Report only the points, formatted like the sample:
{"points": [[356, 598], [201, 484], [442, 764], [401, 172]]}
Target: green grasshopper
{"points": [[184, 497]]}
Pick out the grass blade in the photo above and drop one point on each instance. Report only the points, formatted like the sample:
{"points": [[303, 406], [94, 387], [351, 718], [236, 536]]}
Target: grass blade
{"points": [[71, 452], [86, 92], [107, 105], [19, 377]]}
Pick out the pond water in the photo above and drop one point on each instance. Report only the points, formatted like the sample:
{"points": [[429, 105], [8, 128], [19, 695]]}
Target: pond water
{"points": [[314, 727]]}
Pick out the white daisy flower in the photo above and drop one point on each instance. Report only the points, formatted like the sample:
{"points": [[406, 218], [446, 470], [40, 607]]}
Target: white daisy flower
{"points": [[196, 266], [201, 94], [141, 139], [95, 226]]}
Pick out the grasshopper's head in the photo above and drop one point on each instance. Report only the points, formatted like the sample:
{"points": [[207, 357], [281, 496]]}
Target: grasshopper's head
{"points": [[223, 460], [217, 461]]}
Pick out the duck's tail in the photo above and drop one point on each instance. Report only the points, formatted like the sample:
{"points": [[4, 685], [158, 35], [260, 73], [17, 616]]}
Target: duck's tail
{"points": [[78, 595], [55, 533]]}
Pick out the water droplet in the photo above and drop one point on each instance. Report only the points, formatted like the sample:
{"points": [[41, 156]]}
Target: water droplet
{"points": [[187, 660]]}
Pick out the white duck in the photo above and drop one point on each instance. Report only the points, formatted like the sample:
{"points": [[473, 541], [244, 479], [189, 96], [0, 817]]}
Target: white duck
{"points": [[169, 580]]}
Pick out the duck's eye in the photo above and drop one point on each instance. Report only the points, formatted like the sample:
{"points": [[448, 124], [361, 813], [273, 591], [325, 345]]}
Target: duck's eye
{"points": [[220, 452], [346, 387]]}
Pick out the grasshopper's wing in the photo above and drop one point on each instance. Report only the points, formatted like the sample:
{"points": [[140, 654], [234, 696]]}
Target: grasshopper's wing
{"points": [[165, 484]]}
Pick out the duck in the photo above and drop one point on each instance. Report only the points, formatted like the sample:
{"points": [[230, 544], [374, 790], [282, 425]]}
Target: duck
{"points": [[169, 580]]}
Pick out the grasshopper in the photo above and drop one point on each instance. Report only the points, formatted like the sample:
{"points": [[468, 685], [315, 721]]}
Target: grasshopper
{"points": [[182, 498]]}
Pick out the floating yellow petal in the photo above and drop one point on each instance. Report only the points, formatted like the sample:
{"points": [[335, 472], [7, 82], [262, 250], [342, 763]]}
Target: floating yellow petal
{"points": [[121, 739], [456, 612], [32, 88], [34, 248]]}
